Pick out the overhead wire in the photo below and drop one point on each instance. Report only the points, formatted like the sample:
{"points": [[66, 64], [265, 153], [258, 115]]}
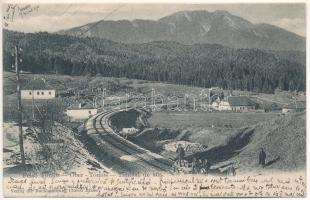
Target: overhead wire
{"points": [[105, 17]]}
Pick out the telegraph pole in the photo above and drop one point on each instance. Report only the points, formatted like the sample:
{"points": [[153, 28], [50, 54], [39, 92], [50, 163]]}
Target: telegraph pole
{"points": [[103, 97], [95, 102], [210, 90], [126, 104], [153, 99], [32, 107], [185, 101], [19, 107]]}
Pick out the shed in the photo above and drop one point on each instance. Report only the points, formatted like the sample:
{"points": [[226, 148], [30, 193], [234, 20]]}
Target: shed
{"points": [[297, 106], [81, 111]]}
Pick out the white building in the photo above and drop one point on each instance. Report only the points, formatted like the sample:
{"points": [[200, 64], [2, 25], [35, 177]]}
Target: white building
{"points": [[297, 106], [224, 105], [216, 104], [131, 130], [81, 111], [38, 90], [237, 103], [38, 94]]}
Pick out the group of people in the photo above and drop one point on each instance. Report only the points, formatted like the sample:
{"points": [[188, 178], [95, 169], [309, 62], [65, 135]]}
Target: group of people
{"points": [[202, 166], [197, 166]]}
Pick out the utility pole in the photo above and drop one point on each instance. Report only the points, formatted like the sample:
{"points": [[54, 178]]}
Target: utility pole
{"points": [[210, 90], [153, 99], [32, 107], [126, 104], [103, 97], [19, 107], [185, 101], [95, 102]]}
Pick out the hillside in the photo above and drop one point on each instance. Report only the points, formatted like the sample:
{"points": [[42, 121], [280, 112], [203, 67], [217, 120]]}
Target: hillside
{"points": [[190, 27], [203, 65], [284, 141], [67, 152], [283, 138]]}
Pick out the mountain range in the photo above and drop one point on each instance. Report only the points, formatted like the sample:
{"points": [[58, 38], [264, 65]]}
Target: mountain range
{"points": [[192, 27]]}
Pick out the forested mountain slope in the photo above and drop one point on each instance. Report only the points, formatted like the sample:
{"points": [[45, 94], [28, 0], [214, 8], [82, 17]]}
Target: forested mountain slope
{"points": [[200, 64]]}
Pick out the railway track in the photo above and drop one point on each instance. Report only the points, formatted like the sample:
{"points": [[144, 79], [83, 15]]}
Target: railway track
{"points": [[144, 159]]}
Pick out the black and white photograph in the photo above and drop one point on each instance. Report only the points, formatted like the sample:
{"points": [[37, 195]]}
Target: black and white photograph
{"points": [[109, 99]]}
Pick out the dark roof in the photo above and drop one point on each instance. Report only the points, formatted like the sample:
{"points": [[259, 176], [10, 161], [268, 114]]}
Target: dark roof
{"points": [[83, 106], [37, 84], [240, 101], [296, 105]]}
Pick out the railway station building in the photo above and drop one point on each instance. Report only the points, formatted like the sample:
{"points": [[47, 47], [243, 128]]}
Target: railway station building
{"points": [[81, 111]]}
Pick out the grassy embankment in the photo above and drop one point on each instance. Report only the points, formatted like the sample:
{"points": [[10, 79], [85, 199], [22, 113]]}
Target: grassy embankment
{"points": [[282, 136]]}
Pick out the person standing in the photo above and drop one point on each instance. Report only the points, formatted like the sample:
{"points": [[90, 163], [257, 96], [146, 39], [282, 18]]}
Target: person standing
{"points": [[194, 166], [206, 166], [231, 171], [262, 158], [181, 153], [200, 166]]}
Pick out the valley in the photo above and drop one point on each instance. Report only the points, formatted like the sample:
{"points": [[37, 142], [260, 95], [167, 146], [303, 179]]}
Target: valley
{"points": [[203, 133], [128, 99]]}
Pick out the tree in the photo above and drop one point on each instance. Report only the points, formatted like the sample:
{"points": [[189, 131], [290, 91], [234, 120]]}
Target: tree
{"points": [[47, 113], [292, 86], [204, 65]]}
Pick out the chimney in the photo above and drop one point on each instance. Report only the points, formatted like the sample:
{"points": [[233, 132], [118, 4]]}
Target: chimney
{"points": [[80, 105]]}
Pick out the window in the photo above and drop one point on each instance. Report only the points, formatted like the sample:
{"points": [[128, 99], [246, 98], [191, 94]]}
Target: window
{"points": [[38, 93], [89, 112], [50, 93], [42, 93], [30, 93]]}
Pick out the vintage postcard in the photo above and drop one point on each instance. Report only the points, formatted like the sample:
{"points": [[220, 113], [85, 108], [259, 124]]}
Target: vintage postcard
{"points": [[154, 100]]}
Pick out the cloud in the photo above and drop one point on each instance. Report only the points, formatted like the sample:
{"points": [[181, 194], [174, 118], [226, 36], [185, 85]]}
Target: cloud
{"points": [[54, 17], [51, 23], [295, 25]]}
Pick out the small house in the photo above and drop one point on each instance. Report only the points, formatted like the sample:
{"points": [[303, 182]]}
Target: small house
{"points": [[81, 111], [237, 103], [224, 105], [131, 130], [38, 90], [297, 106], [215, 104]]}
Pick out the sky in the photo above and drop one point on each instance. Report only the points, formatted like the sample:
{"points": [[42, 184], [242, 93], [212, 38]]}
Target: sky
{"points": [[55, 17]]}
